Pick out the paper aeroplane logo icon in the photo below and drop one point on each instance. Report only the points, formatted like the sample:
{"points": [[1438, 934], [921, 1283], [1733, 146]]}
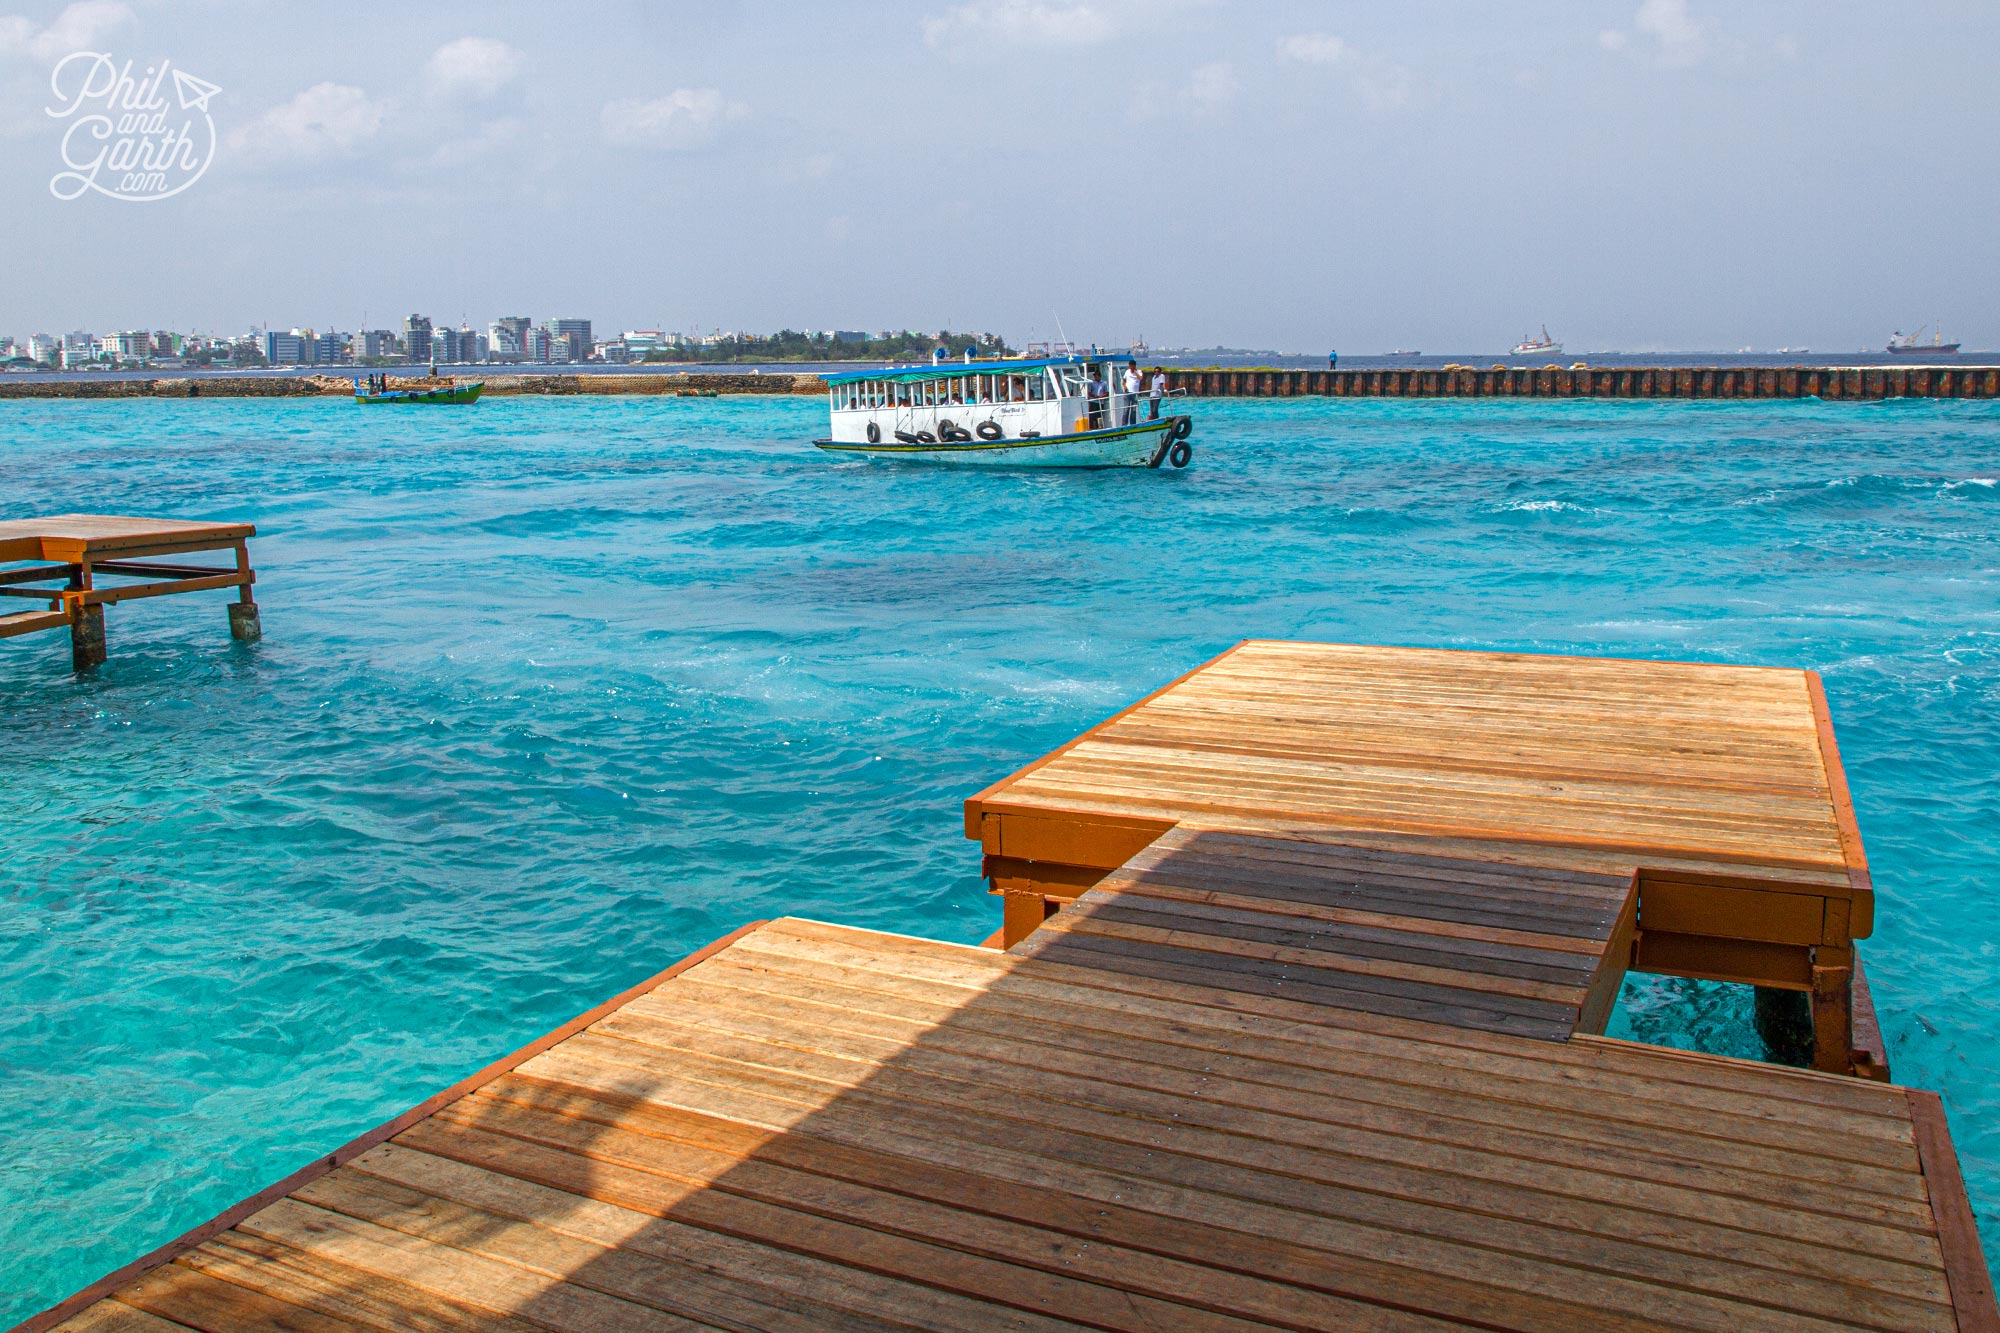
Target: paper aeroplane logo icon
{"points": [[194, 93]]}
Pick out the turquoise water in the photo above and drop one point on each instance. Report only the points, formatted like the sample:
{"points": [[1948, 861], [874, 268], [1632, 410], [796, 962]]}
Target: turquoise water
{"points": [[553, 692]]}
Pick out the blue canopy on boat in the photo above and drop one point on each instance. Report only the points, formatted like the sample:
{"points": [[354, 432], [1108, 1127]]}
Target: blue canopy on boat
{"points": [[947, 369]]}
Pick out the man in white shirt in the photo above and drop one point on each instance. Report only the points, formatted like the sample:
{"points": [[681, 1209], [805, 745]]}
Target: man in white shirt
{"points": [[1159, 393], [1133, 386]]}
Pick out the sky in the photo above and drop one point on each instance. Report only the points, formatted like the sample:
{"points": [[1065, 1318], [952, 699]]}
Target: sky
{"points": [[1656, 175]]}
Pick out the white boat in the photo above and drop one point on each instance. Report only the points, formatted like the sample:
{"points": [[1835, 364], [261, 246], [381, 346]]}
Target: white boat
{"points": [[1062, 411], [1544, 346]]}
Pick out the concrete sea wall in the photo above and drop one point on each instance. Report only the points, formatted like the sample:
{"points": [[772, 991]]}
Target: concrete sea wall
{"points": [[1829, 382]]}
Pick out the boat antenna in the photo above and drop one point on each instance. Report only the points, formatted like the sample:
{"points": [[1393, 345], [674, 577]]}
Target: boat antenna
{"points": [[1060, 332]]}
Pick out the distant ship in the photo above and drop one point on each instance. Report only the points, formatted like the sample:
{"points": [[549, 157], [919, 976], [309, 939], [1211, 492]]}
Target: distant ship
{"points": [[1902, 344], [1401, 354], [1545, 346]]}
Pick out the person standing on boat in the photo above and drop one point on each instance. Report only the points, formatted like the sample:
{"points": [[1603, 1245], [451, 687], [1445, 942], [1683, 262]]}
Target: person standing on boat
{"points": [[1158, 394], [1129, 409], [1097, 394]]}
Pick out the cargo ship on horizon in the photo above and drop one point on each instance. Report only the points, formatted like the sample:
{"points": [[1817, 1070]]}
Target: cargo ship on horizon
{"points": [[1902, 344], [1543, 346]]}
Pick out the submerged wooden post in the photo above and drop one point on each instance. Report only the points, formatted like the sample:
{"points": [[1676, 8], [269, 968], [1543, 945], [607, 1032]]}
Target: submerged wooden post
{"points": [[86, 635], [244, 622]]}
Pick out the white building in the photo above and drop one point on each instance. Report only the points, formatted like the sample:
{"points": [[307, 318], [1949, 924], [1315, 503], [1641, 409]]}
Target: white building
{"points": [[43, 347]]}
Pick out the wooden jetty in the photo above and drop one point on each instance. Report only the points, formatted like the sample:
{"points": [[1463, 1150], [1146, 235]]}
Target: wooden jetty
{"points": [[1299, 1059], [99, 560], [1832, 383]]}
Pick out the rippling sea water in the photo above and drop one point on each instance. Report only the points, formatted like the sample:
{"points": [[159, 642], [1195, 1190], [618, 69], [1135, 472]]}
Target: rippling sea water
{"points": [[553, 692]]}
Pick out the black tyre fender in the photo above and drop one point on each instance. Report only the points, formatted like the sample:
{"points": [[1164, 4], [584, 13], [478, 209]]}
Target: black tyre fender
{"points": [[989, 430], [1181, 452], [904, 437], [947, 428], [874, 433], [925, 437], [1183, 427]]}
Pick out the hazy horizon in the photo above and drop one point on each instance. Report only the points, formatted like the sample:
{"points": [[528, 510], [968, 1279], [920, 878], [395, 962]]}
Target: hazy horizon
{"points": [[1666, 175]]}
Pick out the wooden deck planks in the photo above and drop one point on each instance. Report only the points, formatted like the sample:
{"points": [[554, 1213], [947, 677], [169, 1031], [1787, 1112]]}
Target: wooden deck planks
{"points": [[1509, 949], [1689, 761], [816, 1127]]}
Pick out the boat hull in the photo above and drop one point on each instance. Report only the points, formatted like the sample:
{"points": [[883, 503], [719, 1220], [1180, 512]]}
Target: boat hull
{"points": [[1935, 349], [1147, 444], [457, 393]]}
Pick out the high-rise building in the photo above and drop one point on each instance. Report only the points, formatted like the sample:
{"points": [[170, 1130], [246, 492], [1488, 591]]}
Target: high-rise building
{"points": [[444, 346], [42, 347], [287, 349], [375, 343], [504, 338], [535, 346], [79, 349], [327, 348], [417, 338], [576, 332]]}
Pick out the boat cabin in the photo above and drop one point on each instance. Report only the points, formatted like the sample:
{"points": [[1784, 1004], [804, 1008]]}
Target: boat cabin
{"points": [[989, 400]]}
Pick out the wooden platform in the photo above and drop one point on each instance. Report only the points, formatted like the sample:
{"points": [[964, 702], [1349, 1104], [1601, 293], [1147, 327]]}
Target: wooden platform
{"points": [[1718, 787], [79, 552], [821, 1128], [1339, 1067]]}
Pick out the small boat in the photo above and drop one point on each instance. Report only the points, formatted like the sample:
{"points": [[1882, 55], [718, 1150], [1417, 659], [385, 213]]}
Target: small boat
{"points": [[1058, 411], [1401, 354], [1902, 344], [1543, 346], [421, 390]]}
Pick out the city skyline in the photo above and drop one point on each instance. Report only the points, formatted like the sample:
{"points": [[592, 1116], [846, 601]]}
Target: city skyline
{"points": [[1198, 174]]}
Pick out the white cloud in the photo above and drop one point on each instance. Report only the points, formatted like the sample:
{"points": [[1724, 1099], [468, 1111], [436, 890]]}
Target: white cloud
{"points": [[1380, 83], [685, 118], [472, 67], [1666, 30], [1213, 87], [978, 26], [1312, 48], [326, 120], [84, 26]]}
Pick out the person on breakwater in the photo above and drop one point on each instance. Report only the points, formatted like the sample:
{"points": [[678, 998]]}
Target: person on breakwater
{"points": [[1332, 360]]}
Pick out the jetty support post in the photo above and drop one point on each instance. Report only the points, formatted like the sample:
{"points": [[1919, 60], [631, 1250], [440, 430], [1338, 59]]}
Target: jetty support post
{"points": [[244, 622], [86, 620], [86, 635], [1833, 1008]]}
